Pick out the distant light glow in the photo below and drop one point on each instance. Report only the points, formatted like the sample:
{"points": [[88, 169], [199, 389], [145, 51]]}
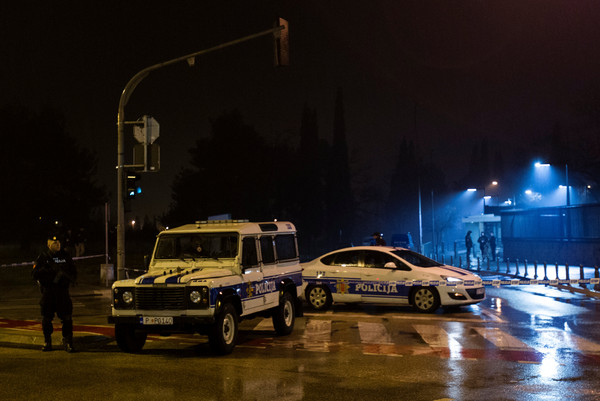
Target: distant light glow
{"points": [[539, 164], [472, 190], [487, 197], [528, 192]]}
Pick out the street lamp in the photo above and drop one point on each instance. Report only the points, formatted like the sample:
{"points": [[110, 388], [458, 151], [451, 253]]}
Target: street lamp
{"points": [[280, 47], [485, 197], [568, 189]]}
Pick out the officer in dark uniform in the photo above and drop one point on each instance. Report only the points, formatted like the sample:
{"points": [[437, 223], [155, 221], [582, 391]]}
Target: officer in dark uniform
{"points": [[378, 239], [54, 271]]}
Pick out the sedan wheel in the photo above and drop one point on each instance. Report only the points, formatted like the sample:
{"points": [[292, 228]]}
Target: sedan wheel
{"points": [[425, 299], [318, 297]]}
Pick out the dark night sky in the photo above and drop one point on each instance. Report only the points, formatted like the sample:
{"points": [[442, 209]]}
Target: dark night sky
{"points": [[444, 73]]}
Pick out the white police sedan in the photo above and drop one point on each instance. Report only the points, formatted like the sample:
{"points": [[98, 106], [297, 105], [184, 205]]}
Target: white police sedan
{"points": [[383, 274]]}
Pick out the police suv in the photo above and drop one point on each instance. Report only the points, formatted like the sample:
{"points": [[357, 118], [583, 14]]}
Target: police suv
{"points": [[208, 276]]}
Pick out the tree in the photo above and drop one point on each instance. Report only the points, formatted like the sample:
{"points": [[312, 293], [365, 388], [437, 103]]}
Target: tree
{"points": [[233, 171], [339, 197], [48, 177]]}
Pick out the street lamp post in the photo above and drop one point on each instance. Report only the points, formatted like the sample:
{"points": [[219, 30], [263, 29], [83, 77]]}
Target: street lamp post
{"points": [[127, 91]]}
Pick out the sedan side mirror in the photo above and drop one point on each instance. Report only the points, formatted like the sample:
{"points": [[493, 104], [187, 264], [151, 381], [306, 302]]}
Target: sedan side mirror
{"points": [[390, 265]]}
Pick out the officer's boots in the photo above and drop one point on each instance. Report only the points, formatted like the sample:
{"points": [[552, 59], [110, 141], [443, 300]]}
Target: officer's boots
{"points": [[47, 344], [68, 344]]}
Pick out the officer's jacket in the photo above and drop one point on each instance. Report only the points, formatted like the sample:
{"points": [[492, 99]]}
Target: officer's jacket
{"points": [[54, 269]]}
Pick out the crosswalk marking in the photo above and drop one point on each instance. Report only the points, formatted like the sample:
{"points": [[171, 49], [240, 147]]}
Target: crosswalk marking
{"points": [[374, 333], [317, 335], [389, 337], [264, 325], [501, 339], [569, 340]]}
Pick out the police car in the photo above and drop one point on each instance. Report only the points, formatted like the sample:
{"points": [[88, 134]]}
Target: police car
{"points": [[381, 274], [208, 276]]}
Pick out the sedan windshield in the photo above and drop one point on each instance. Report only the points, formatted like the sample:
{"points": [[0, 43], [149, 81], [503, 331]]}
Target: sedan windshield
{"points": [[416, 259], [196, 246]]}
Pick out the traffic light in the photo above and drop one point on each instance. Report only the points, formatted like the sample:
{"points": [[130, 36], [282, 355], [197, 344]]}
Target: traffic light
{"points": [[132, 187]]}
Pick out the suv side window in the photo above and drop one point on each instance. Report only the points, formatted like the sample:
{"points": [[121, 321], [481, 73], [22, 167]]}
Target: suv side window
{"points": [[267, 250], [249, 254], [285, 245]]}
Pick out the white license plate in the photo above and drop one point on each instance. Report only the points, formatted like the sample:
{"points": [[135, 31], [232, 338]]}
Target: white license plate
{"points": [[480, 291], [162, 320]]}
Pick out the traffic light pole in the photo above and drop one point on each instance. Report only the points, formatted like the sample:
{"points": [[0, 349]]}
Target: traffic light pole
{"points": [[127, 91]]}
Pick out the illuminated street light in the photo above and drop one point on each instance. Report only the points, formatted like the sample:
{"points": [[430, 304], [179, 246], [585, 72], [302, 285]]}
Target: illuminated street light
{"points": [[485, 197], [566, 186]]}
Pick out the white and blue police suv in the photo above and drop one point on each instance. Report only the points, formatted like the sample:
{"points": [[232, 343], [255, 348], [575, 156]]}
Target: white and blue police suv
{"points": [[208, 276]]}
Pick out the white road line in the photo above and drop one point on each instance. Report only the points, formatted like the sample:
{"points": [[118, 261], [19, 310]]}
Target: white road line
{"points": [[567, 340], [374, 333], [317, 335], [501, 339], [435, 336], [341, 315], [265, 324]]}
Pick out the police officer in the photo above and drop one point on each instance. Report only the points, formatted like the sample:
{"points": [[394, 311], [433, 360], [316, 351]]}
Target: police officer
{"points": [[54, 271], [378, 239]]}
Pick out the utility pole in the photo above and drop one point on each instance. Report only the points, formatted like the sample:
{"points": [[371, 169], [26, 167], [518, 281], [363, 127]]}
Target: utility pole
{"points": [[281, 47]]}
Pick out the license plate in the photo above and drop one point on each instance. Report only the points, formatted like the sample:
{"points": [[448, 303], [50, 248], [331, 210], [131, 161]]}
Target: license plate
{"points": [[480, 291], [162, 320]]}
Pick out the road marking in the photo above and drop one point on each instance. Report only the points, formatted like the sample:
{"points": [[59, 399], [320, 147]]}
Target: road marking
{"points": [[374, 333], [265, 324], [317, 335], [501, 339], [569, 340]]}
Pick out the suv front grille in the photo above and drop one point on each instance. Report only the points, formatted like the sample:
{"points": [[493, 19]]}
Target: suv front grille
{"points": [[152, 298]]}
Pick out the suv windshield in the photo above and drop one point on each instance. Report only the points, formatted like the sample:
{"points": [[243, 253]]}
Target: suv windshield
{"points": [[416, 259], [193, 246]]}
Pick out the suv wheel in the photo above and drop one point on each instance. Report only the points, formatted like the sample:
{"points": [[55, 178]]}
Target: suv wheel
{"points": [[284, 315], [223, 333]]}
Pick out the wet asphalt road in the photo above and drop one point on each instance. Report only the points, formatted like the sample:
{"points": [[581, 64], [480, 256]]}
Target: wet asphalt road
{"points": [[521, 343]]}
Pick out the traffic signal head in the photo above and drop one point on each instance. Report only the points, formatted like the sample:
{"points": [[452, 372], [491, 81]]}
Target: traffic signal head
{"points": [[132, 187]]}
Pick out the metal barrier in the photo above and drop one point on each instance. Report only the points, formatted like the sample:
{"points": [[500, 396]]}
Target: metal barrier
{"points": [[523, 278]]}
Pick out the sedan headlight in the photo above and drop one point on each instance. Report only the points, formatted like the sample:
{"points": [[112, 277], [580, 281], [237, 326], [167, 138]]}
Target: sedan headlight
{"points": [[123, 298], [452, 280]]}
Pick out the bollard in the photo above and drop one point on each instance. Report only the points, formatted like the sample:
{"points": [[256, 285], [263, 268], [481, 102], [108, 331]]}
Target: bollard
{"points": [[567, 271], [545, 271], [535, 276], [596, 275], [507, 265], [517, 266], [451, 260], [556, 264], [478, 264], [525, 265], [581, 277]]}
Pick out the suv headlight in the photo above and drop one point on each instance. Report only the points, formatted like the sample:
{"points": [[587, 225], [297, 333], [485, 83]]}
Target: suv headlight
{"points": [[123, 298], [197, 297]]}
